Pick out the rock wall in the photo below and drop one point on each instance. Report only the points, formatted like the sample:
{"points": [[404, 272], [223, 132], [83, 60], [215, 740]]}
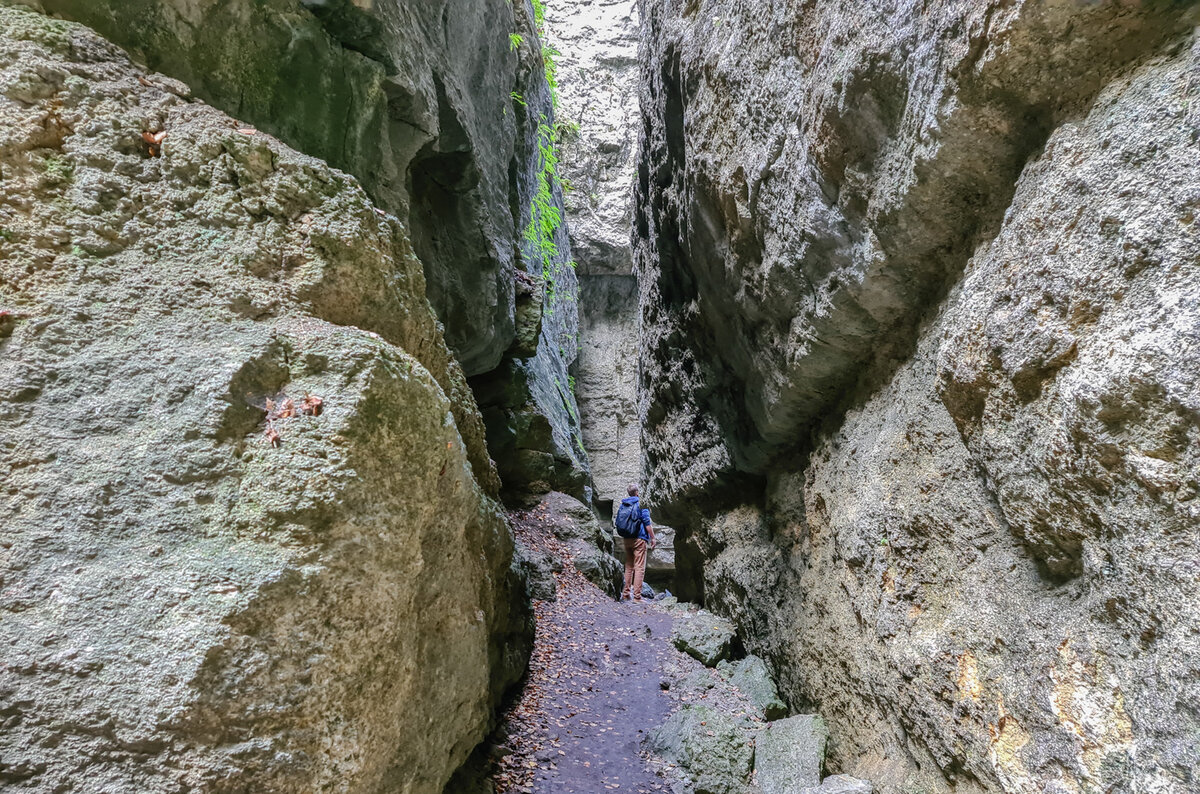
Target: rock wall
{"points": [[919, 323], [387, 91], [207, 583], [599, 121], [607, 382], [528, 401]]}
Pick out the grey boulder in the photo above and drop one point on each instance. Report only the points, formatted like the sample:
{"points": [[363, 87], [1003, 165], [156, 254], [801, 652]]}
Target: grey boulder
{"points": [[789, 754], [704, 636], [712, 749], [751, 677]]}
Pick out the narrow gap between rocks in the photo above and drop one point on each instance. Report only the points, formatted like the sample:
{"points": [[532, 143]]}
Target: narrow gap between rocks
{"points": [[649, 697]]}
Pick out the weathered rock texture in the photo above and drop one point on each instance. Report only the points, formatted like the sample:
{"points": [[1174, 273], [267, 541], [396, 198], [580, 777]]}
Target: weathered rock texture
{"points": [[599, 121], [606, 383], [597, 41], [415, 98], [921, 332], [187, 606], [812, 178]]}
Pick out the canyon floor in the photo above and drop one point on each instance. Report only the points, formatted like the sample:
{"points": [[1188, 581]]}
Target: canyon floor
{"points": [[593, 690], [603, 676]]}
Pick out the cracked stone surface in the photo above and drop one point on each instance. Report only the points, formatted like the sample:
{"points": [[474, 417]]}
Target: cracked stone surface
{"points": [[979, 562], [186, 604], [918, 332]]}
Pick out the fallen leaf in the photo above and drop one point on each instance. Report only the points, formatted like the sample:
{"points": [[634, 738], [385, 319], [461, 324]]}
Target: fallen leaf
{"points": [[311, 405], [153, 141]]}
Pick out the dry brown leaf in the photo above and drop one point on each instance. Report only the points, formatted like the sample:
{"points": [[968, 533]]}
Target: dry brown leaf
{"points": [[154, 141], [311, 405]]}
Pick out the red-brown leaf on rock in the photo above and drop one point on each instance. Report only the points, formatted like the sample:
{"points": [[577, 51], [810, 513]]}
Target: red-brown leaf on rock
{"points": [[311, 405]]}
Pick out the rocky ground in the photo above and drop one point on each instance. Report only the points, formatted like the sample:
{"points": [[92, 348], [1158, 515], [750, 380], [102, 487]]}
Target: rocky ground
{"points": [[646, 698]]}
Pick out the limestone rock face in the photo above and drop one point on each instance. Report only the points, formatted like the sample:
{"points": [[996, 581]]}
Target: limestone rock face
{"points": [[811, 178], [598, 112], [1003, 523], [198, 594], [384, 94], [599, 118], [920, 321], [437, 113], [607, 383]]}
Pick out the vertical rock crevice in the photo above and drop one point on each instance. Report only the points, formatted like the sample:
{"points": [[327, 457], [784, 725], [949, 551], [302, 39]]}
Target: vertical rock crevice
{"points": [[387, 92], [883, 283]]}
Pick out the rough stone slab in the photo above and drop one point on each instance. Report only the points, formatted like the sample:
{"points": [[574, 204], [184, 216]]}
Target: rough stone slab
{"points": [[704, 636], [750, 675], [841, 784], [197, 596], [789, 754], [712, 748]]}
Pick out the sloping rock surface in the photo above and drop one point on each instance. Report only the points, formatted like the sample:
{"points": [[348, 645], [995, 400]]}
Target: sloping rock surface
{"points": [[438, 114], [812, 178], [975, 567], [188, 604]]}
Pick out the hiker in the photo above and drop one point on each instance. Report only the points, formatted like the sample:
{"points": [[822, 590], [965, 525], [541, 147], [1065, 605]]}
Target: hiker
{"points": [[633, 525]]}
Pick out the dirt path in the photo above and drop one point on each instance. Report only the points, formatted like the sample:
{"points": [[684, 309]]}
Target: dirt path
{"points": [[593, 692]]}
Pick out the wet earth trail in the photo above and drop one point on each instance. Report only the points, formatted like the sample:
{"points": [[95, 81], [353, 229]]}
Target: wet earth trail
{"points": [[594, 690]]}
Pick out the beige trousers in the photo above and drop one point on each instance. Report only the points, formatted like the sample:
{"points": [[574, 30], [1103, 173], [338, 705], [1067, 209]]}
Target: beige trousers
{"points": [[635, 567]]}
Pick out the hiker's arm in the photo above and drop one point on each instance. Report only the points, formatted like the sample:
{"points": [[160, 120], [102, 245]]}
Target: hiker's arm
{"points": [[650, 529]]}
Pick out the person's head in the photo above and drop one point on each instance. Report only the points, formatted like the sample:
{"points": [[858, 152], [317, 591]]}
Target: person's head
{"points": [[633, 489]]}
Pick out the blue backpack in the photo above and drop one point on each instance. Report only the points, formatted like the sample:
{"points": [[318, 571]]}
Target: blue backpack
{"points": [[629, 520]]}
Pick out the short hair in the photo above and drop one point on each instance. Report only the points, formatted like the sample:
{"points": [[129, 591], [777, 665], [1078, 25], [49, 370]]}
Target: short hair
{"points": [[633, 489]]}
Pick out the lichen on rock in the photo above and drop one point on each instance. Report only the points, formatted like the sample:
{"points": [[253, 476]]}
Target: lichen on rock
{"points": [[919, 387], [190, 602]]}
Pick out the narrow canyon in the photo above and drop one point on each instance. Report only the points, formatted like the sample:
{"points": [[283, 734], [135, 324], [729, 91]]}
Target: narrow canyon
{"points": [[334, 332]]}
